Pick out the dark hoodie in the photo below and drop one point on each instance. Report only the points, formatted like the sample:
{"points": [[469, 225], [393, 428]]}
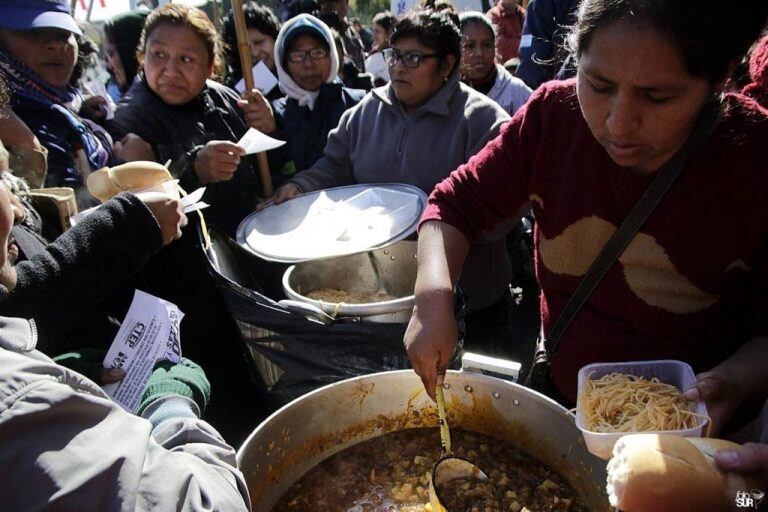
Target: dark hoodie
{"points": [[124, 31]]}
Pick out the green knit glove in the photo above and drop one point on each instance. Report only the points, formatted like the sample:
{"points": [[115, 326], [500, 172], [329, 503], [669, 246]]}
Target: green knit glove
{"points": [[86, 361], [185, 379]]}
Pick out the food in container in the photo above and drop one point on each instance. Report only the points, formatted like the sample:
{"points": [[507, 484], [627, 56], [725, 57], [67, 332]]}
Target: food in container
{"points": [[333, 295], [645, 396]]}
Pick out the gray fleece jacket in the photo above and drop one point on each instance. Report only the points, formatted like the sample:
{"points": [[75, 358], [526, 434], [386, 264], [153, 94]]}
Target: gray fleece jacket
{"points": [[378, 142]]}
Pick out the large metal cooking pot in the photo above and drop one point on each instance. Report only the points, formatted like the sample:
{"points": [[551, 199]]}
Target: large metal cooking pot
{"points": [[396, 265], [329, 419]]}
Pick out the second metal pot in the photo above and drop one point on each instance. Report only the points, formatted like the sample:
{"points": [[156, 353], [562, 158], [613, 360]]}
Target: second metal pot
{"points": [[396, 265]]}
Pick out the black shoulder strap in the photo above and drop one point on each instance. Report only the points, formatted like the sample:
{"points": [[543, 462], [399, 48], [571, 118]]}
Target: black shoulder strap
{"points": [[663, 181]]}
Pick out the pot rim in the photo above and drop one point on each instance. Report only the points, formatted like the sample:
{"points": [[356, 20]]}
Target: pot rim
{"points": [[335, 308], [312, 394]]}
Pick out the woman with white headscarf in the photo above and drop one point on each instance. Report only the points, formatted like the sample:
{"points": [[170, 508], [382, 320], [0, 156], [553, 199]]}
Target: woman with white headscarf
{"points": [[307, 63]]}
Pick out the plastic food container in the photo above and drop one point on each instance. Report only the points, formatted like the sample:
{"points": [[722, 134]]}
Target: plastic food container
{"points": [[677, 373]]}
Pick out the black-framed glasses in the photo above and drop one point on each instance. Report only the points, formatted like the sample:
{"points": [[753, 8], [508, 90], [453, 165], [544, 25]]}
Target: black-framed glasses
{"points": [[409, 59], [301, 55]]}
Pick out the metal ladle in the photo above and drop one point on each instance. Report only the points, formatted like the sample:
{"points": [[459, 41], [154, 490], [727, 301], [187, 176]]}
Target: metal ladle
{"points": [[380, 290], [448, 467]]}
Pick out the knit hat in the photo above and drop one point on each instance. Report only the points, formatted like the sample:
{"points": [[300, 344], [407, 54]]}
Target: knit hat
{"points": [[30, 14], [303, 24], [124, 30], [186, 379]]}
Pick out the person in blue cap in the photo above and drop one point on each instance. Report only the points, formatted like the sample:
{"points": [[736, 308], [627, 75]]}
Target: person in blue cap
{"points": [[38, 53]]}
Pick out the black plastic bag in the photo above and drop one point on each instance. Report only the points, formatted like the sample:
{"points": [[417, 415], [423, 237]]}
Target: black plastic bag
{"points": [[290, 354]]}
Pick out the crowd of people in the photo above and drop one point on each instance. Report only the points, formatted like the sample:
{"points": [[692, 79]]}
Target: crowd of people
{"points": [[476, 110]]}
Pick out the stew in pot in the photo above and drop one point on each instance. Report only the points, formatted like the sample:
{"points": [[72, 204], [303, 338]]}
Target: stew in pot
{"points": [[389, 474]]}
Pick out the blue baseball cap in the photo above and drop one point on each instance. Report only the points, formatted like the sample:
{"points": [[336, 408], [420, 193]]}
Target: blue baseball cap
{"points": [[31, 14]]}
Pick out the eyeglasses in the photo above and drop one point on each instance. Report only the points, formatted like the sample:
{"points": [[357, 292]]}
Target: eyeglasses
{"points": [[409, 59], [301, 55]]}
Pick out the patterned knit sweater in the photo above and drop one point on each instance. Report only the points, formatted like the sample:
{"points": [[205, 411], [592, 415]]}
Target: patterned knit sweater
{"points": [[692, 285]]}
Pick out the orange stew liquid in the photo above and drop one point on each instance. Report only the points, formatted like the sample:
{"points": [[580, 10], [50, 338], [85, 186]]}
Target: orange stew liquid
{"points": [[389, 474]]}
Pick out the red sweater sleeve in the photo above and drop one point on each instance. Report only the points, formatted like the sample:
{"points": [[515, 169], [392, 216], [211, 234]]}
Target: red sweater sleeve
{"points": [[494, 184]]}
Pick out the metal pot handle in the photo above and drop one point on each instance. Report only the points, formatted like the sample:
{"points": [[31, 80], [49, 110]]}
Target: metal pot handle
{"points": [[494, 366], [309, 311]]}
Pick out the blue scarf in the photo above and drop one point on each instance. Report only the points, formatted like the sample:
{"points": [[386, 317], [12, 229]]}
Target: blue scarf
{"points": [[29, 90]]}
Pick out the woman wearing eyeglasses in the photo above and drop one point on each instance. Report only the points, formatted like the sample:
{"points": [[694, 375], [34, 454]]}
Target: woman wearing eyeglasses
{"points": [[307, 64], [416, 130]]}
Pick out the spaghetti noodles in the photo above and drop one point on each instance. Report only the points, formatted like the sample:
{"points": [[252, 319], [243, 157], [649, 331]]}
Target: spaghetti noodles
{"points": [[338, 296], [626, 403]]}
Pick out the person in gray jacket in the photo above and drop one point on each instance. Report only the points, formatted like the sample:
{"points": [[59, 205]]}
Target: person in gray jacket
{"points": [[64, 444], [479, 69], [416, 130]]}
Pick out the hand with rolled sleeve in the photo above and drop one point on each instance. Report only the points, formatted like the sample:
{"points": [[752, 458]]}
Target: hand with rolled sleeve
{"points": [[431, 336], [217, 161], [258, 112]]}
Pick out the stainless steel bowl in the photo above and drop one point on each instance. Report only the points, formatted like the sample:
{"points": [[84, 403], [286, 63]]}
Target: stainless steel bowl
{"points": [[396, 265]]}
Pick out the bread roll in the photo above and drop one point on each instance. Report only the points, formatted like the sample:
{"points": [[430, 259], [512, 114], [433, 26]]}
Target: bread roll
{"points": [[131, 176], [654, 472]]}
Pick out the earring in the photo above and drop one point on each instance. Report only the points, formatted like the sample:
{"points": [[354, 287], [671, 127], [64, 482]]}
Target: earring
{"points": [[445, 78]]}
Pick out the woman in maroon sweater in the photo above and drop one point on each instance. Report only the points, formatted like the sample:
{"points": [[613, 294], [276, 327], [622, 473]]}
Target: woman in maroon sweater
{"points": [[693, 283]]}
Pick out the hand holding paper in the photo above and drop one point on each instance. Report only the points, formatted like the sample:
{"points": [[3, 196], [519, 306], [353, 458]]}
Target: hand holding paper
{"points": [[218, 161], [149, 333]]}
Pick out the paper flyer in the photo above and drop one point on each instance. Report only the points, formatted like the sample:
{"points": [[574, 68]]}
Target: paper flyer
{"points": [[149, 333], [263, 79], [256, 142]]}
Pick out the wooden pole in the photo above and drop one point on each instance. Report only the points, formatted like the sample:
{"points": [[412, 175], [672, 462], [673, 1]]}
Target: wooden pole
{"points": [[247, 65]]}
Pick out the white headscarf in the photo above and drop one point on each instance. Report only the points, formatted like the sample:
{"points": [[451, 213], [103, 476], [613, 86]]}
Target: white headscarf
{"points": [[314, 26]]}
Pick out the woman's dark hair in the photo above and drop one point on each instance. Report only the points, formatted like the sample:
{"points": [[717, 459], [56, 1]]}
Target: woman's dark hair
{"points": [[478, 18], [86, 48], [386, 20], [124, 31], [435, 30], [711, 36], [257, 16], [181, 15]]}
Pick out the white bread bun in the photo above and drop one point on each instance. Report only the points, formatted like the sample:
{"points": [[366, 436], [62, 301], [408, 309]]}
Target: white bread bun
{"points": [[132, 176], [655, 472]]}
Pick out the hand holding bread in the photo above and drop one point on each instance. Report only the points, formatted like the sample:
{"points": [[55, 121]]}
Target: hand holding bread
{"points": [[750, 459], [138, 177], [653, 472], [168, 212]]}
